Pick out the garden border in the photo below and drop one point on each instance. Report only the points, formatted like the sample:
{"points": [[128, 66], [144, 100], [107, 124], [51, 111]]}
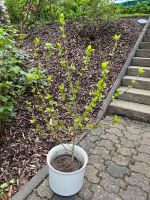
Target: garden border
{"points": [[29, 187]]}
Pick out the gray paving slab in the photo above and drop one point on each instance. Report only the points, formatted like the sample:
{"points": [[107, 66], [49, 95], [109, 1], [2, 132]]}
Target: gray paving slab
{"points": [[119, 164]]}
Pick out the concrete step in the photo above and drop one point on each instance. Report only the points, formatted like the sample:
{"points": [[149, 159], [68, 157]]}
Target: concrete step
{"points": [[148, 32], [143, 53], [135, 95], [146, 38], [139, 61], [129, 109], [145, 45], [132, 71], [142, 82]]}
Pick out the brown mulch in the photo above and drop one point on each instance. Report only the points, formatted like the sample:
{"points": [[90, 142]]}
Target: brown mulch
{"points": [[22, 151]]}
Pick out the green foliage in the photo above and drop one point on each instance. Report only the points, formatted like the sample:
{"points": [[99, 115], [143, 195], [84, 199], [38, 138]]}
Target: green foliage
{"points": [[15, 8], [12, 76], [48, 105], [141, 7], [91, 11], [116, 120], [5, 188]]}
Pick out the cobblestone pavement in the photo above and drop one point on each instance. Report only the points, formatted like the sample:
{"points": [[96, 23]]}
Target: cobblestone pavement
{"points": [[119, 164]]}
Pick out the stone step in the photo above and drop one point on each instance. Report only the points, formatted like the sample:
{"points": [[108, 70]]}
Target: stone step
{"points": [[129, 109], [144, 45], [148, 32], [146, 38], [133, 71], [139, 61], [135, 95], [142, 82], [143, 53]]}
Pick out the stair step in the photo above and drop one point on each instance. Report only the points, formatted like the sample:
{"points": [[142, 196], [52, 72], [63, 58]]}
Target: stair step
{"points": [[143, 53], [142, 82], [145, 45], [130, 109], [132, 71], [148, 32], [135, 95], [146, 38], [139, 61]]}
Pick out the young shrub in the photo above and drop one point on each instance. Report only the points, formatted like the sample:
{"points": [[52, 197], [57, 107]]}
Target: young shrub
{"points": [[59, 113]]}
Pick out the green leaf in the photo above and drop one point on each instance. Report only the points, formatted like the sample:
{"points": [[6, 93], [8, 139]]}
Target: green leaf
{"points": [[12, 181], [140, 71], [4, 185], [116, 37], [116, 120], [1, 109], [133, 82], [105, 64]]}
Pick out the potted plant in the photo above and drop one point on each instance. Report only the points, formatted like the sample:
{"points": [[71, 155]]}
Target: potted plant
{"points": [[58, 112]]}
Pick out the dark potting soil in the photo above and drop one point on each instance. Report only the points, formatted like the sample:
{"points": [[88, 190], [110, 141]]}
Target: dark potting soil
{"points": [[64, 163]]}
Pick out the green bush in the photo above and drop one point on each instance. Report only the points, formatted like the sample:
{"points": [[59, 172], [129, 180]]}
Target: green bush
{"points": [[12, 76], [141, 7], [90, 10], [15, 9]]}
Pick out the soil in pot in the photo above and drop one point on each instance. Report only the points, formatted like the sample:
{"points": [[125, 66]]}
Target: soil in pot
{"points": [[64, 163]]}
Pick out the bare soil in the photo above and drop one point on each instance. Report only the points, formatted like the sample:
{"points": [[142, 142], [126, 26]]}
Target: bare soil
{"points": [[64, 163]]}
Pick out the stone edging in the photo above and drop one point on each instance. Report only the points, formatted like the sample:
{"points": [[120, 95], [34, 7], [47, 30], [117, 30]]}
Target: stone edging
{"points": [[28, 188]]}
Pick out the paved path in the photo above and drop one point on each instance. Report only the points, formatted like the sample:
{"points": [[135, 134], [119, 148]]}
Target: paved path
{"points": [[119, 164]]}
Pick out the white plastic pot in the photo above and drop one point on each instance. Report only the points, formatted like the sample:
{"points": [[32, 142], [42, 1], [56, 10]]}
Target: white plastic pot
{"points": [[66, 183]]}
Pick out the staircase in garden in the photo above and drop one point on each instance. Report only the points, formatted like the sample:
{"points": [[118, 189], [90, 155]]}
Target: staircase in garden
{"points": [[135, 103]]}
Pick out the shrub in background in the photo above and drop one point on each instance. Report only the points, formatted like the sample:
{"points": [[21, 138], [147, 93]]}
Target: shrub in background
{"points": [[13, 79], [35, 10]]}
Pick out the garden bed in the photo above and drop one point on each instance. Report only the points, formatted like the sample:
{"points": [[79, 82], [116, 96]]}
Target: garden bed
{"points": [[22, 151]]}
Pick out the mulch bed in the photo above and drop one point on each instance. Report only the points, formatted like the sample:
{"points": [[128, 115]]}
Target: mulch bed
{"points": [[22, 152]]}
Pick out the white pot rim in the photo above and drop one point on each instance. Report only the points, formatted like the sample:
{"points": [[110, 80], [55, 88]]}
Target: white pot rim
{"points": [[68, 173]]}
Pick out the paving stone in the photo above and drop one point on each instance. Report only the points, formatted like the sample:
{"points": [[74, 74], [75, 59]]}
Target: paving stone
{"points": [[125, 151], [143, 157], [120, 160], [145, 141], [141, 168], [86, 145], [139, 180], [127, 143], [144, 149], [132, 136], [34, 196], [115, 131], [75, 197], [100, 194], [133, 193], [119, 164], [111, 137], [44, 190], [105, 143], [146, 129], [97, 162], [117, 171], [111, 184], [118, 126], [98, 131], [100, 151], [92, 138], [91, 174], [133, 130], [86, 192], [147, 135]]}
